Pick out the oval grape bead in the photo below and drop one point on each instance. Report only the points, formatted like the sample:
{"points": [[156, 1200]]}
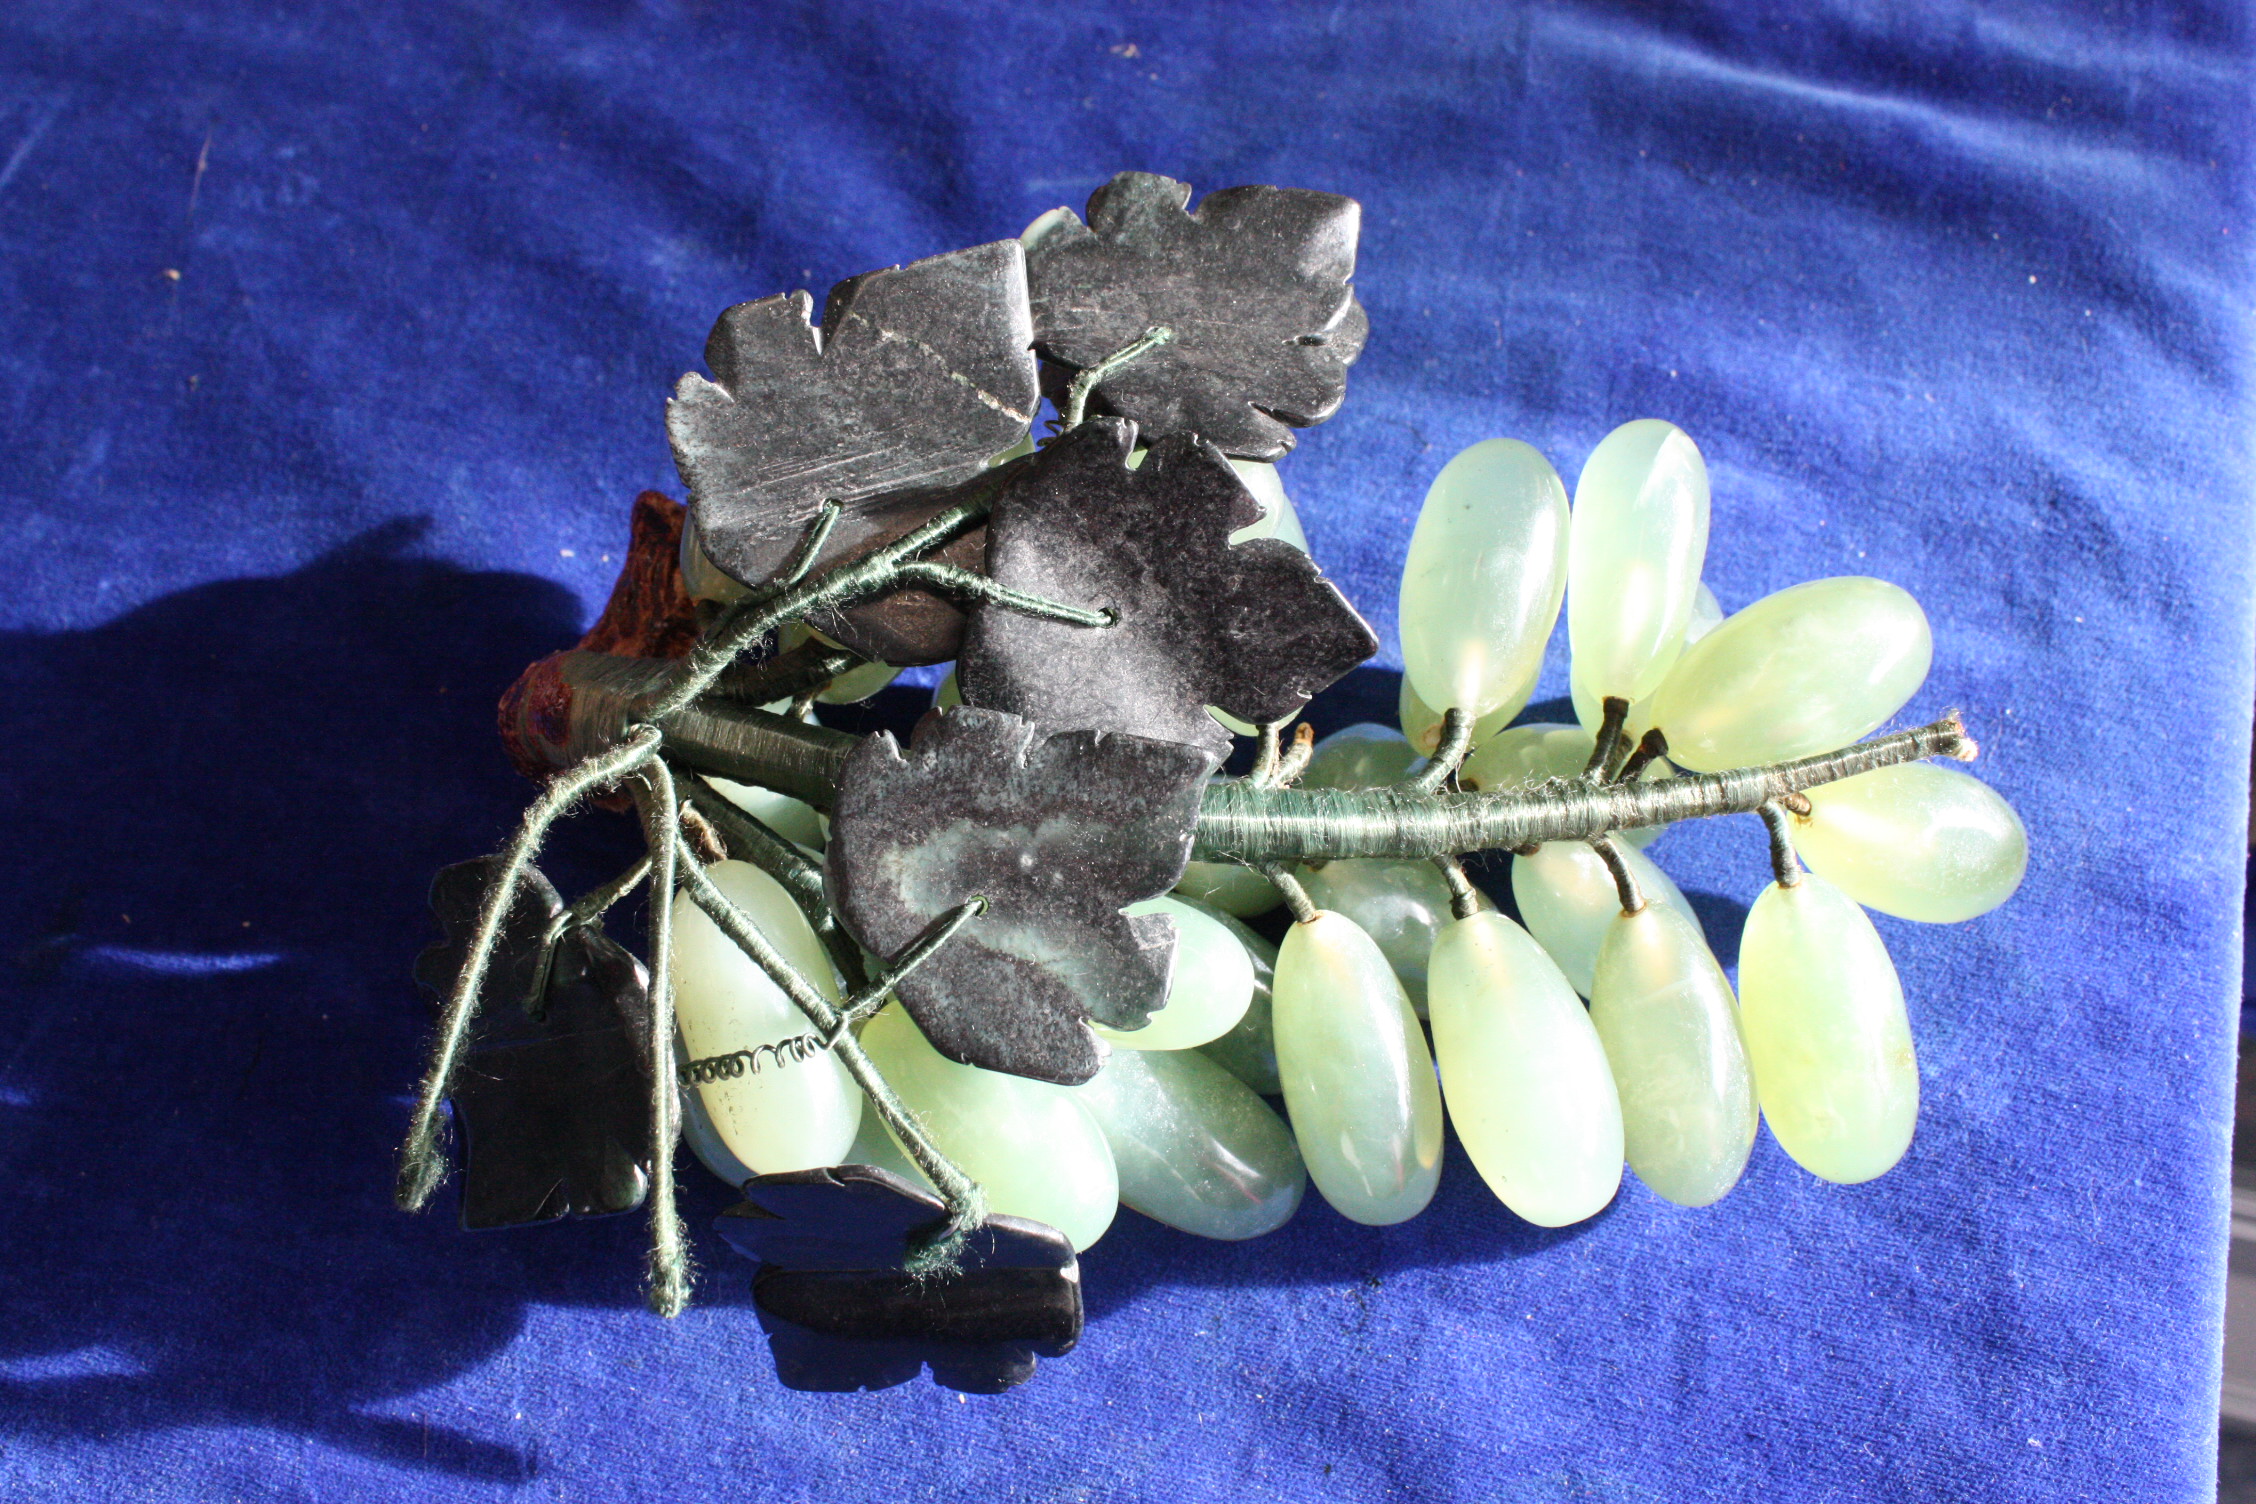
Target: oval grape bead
{"points": [[1671, 1030], [1032, 1145], [1358, 1082], [1568, 901], [1523, 1073], [1826, 1032], [1195, 1149], [1278, 518], [1707, 615], [1481, 587], [1638, 537], [1402, 905], [1421, 723], [1249, 1050], [789, 1113], [1230, 887], [1207, 991], [1916, 841], [790, 818], [1363, 756], [1808, 669]]}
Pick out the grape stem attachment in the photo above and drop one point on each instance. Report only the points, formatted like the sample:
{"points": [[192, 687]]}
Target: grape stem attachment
{"points": [[1783, 864]]}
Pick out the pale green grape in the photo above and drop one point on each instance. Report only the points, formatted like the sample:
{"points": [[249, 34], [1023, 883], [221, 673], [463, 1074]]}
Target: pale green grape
{"points": [[1249, 1050], [1541, 750], [1638, 537], [1707, 615], [786, 816], [875, 1145], [1358, 1082], [1803, 671], [1671, 1031], [1568, 901], [1421, 723], [949, 694], [1032, 1145], [1916, 841], [1208, 992], [1481, 586], [1232, 724], [701, 578], [1195, 1148], [1278, 519], [1402, 905], [1826, 1032], [1363, 756], [790, 1113], [1230, 887], [1523, 1073]]}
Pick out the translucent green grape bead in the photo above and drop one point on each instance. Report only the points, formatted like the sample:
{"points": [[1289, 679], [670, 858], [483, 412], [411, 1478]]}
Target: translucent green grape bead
{"points": [[1568, 901], [1671, 1031], [1541, 750], [786, 816], [1363, 756], [1278, 519], [772, 1113], [1033, 1146], [1639, 536], [1403, 905], [1707, 615], [1806, 670], [1523, 1073], [1826, 1031], [1208, 991], [1481, 587], [1421, 723], [1249, 1050], [1916, 841], [1195, 1149], [1227, 886], [1358, 1082]]}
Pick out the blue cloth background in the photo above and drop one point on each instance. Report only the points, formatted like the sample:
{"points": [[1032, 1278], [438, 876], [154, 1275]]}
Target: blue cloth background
{"points": [[332, 347]]}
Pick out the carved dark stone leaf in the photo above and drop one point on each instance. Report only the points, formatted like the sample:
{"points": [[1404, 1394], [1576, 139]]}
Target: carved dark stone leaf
{"points": [[1254, 285], [553, 1100], [841, 1313], [1253, 627], [1057, 830], [918, 376]]}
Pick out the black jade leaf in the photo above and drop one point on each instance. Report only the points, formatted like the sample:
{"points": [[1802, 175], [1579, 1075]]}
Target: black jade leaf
{"points": [[553, 1101], [1057, 830], [918, 376], [841, 1313], [1253, 627], [1253, 285]]}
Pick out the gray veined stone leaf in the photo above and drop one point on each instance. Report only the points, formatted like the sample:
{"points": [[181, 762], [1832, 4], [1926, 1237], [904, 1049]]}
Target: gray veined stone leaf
{"points": [[1253, 628], [1058, 830], [918, 375], [1253, 284]]}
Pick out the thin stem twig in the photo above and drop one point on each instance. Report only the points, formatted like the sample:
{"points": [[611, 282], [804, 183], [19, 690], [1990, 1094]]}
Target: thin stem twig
{"points": [[666, 1289], [1650, 747], [1783, 865], [1296, 896], [1085, 382], [969, 584], [1625, 881], [1615, 715], [1464, 898], [1294, 762], [1456, 741]]}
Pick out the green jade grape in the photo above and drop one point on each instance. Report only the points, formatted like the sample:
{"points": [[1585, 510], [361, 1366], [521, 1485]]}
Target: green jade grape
{"points": [[1207, 991], [1401, 904], [1195, 1148], [1665, 1013], [1568, 901], [1523, 1073], [1279, 520], [1638, 537], [1482, 584], [1826, 1032], [1916, 841], [1539, 751], [1806, 670], [1358, 1081], [1249, 1050], [1235, 889], [1031, 1145], [789, 1113], [790, 818], [1421, 723]]}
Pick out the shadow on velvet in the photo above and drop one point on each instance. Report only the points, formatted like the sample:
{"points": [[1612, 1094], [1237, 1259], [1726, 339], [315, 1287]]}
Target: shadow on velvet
{"points": [[230, 804]]}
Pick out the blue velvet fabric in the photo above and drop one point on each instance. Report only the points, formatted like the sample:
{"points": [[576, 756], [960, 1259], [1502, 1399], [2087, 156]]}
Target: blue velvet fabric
{"points": [[332, 346]]}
